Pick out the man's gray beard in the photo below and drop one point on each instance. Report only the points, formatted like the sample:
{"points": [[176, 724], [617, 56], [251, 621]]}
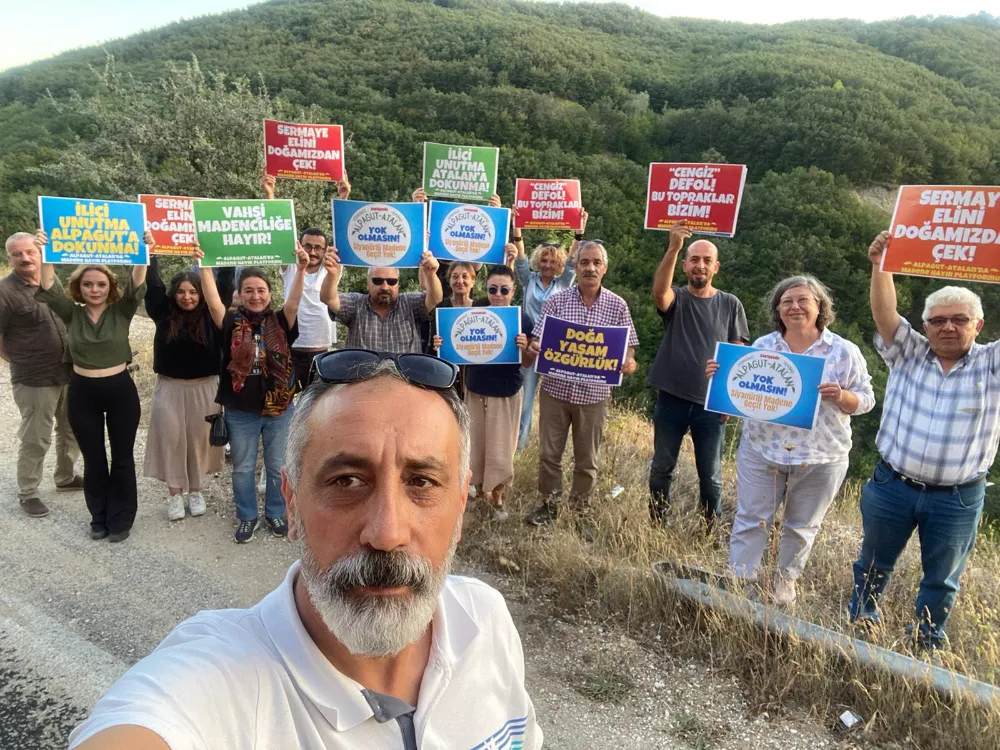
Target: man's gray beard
{"points": [[699, 283], [375, 626]]}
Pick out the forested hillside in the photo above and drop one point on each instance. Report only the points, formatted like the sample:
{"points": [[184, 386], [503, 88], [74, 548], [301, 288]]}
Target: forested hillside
{"points": [[819, 111]]}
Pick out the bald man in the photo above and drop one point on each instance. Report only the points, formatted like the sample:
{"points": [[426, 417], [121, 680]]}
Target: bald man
{"points": [[382, 320], [695, 317]]}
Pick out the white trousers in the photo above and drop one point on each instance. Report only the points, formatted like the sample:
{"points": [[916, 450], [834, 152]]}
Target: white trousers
{"points": [[761, 487]]}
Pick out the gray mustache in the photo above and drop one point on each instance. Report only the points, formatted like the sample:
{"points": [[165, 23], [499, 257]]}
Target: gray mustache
{"points": [[380, 569]]}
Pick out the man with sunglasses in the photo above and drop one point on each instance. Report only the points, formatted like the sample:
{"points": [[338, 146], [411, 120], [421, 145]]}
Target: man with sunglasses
{"points": [[368, 642], [384, 319], [938, 438], [317, 332], [581, 406]]}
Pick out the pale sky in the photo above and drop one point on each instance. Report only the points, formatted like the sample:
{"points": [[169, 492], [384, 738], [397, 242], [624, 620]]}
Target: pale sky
{"points": [[36, 29]]}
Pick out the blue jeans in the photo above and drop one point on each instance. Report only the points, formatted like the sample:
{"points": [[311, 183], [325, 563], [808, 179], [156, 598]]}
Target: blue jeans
{"points": [[245, 432], [946, 523], [672, 419], [528, 390]]}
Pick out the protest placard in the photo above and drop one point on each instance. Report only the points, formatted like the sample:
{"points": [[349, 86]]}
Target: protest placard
{"points": [[548, 204], [463, 173], [82, 230], [479, 335], [245, 232], [170, 218], [475, 234], [945, 232], [378, 234], [304, 152], [583, 354], [706, 196], [766, 385]]}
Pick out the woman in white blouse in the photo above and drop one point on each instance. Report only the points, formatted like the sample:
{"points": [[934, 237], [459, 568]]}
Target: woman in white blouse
{"points": [[803, 468]]}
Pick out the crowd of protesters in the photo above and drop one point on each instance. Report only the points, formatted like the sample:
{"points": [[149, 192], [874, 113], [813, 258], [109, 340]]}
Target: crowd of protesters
{"points": [[69, 353]]}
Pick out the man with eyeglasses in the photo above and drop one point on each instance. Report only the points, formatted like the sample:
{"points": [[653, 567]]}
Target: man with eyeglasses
{"points": [[368, 642], [317, 332], [695, 318], [938, 438], [581, 406], [382, 320]]}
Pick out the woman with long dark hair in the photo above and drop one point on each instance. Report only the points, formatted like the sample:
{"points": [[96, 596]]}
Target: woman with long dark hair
{"points": [[187, 352]]}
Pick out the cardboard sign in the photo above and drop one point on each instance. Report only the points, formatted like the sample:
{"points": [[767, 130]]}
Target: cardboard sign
{"points": [[170, 218], [706, 196], [245, 232], [475, 234], [766, 385], [945, 232], [583, 354], [304, 152], [548, 204], [479, 335], [463, 173], [83, 230], [378, 234]]}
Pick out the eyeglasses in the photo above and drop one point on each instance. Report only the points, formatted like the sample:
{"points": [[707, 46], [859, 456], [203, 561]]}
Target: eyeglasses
{"points": [[504, 290], [307, 246], [800, 301], [379, 281], [959, 321], [353, 365]]}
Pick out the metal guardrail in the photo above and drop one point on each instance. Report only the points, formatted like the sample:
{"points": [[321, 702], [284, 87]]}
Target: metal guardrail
{"points": [[693, 584]]}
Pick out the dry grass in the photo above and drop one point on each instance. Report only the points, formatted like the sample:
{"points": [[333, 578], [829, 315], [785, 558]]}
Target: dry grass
{"points": [[610, 577]]}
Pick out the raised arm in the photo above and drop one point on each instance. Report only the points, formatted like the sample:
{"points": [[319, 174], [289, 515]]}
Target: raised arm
{"points": [[429, 280], [139, 272], [663, 278], [328, 292], [157, 304], [216, 307], [883, 292], [48, 272], [293, 295]]}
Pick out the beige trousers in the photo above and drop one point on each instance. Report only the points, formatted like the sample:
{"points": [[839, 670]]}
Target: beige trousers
{"points": [[555, 418], [493, 425], [40, 407]]}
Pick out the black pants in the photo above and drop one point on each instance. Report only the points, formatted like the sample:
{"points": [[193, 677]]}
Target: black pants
{"points": [[302, 360], [111, 493]]}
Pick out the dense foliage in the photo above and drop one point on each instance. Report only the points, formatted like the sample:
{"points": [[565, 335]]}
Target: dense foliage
{"points": [[823, 113]]}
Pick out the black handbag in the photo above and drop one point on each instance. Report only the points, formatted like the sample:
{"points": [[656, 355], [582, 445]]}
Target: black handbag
{"points": [[218, 433]]}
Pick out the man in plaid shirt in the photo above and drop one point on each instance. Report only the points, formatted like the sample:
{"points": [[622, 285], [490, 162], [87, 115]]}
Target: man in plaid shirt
{"points": [[938, 438], [583, 406], [382, 320]]}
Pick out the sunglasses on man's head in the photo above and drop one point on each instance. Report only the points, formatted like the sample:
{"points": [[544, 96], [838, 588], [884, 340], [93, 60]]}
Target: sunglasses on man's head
{"points": [[352, 365], [379, 281], [504, 290]]}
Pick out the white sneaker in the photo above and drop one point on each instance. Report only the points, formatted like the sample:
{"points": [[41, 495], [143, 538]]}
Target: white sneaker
{"points": [[175, 507], [196, 502], [784, 592]]}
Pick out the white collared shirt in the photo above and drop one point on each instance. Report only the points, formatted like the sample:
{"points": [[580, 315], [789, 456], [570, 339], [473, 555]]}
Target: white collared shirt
{"points": [[245, 679], [316, 329], [830, 440]]}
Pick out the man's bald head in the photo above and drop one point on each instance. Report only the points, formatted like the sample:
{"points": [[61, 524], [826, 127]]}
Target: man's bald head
{"points": [[702, 248]]}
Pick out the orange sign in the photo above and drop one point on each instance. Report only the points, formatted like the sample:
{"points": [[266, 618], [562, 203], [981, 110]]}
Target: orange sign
{"points": [[946, 232], [170, 219]]}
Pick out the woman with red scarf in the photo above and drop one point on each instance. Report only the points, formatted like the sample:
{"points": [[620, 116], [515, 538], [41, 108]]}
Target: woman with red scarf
{"points": [[256, 386]]}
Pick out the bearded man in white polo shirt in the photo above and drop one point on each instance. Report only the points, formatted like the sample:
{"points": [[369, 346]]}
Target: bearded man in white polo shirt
{"points": [[368, 643]]}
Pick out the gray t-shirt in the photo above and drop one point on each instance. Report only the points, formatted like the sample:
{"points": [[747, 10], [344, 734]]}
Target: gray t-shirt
{"points": [[691, 328]]}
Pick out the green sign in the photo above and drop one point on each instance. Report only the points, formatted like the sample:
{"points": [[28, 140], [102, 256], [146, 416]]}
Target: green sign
{"points": [[243, 233], [464, 173]]}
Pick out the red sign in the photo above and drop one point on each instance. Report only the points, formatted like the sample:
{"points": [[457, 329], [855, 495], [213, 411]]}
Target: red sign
{"points": [[706, 196], [945, 232], [171, 220], [548, 204], [304, 152]]}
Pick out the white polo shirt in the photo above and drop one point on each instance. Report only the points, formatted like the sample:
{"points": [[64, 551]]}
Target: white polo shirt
{"points": [[316, 329], [237, 679]]}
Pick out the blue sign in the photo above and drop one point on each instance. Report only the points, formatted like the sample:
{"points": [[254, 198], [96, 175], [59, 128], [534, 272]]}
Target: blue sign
{"points": [[475, 234], [766, 385], [83, 230], [582, 354], [479, 335], [383, 235]]}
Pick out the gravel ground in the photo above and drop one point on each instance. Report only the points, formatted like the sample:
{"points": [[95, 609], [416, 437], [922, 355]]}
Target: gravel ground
{"points": [[75, 614]]}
